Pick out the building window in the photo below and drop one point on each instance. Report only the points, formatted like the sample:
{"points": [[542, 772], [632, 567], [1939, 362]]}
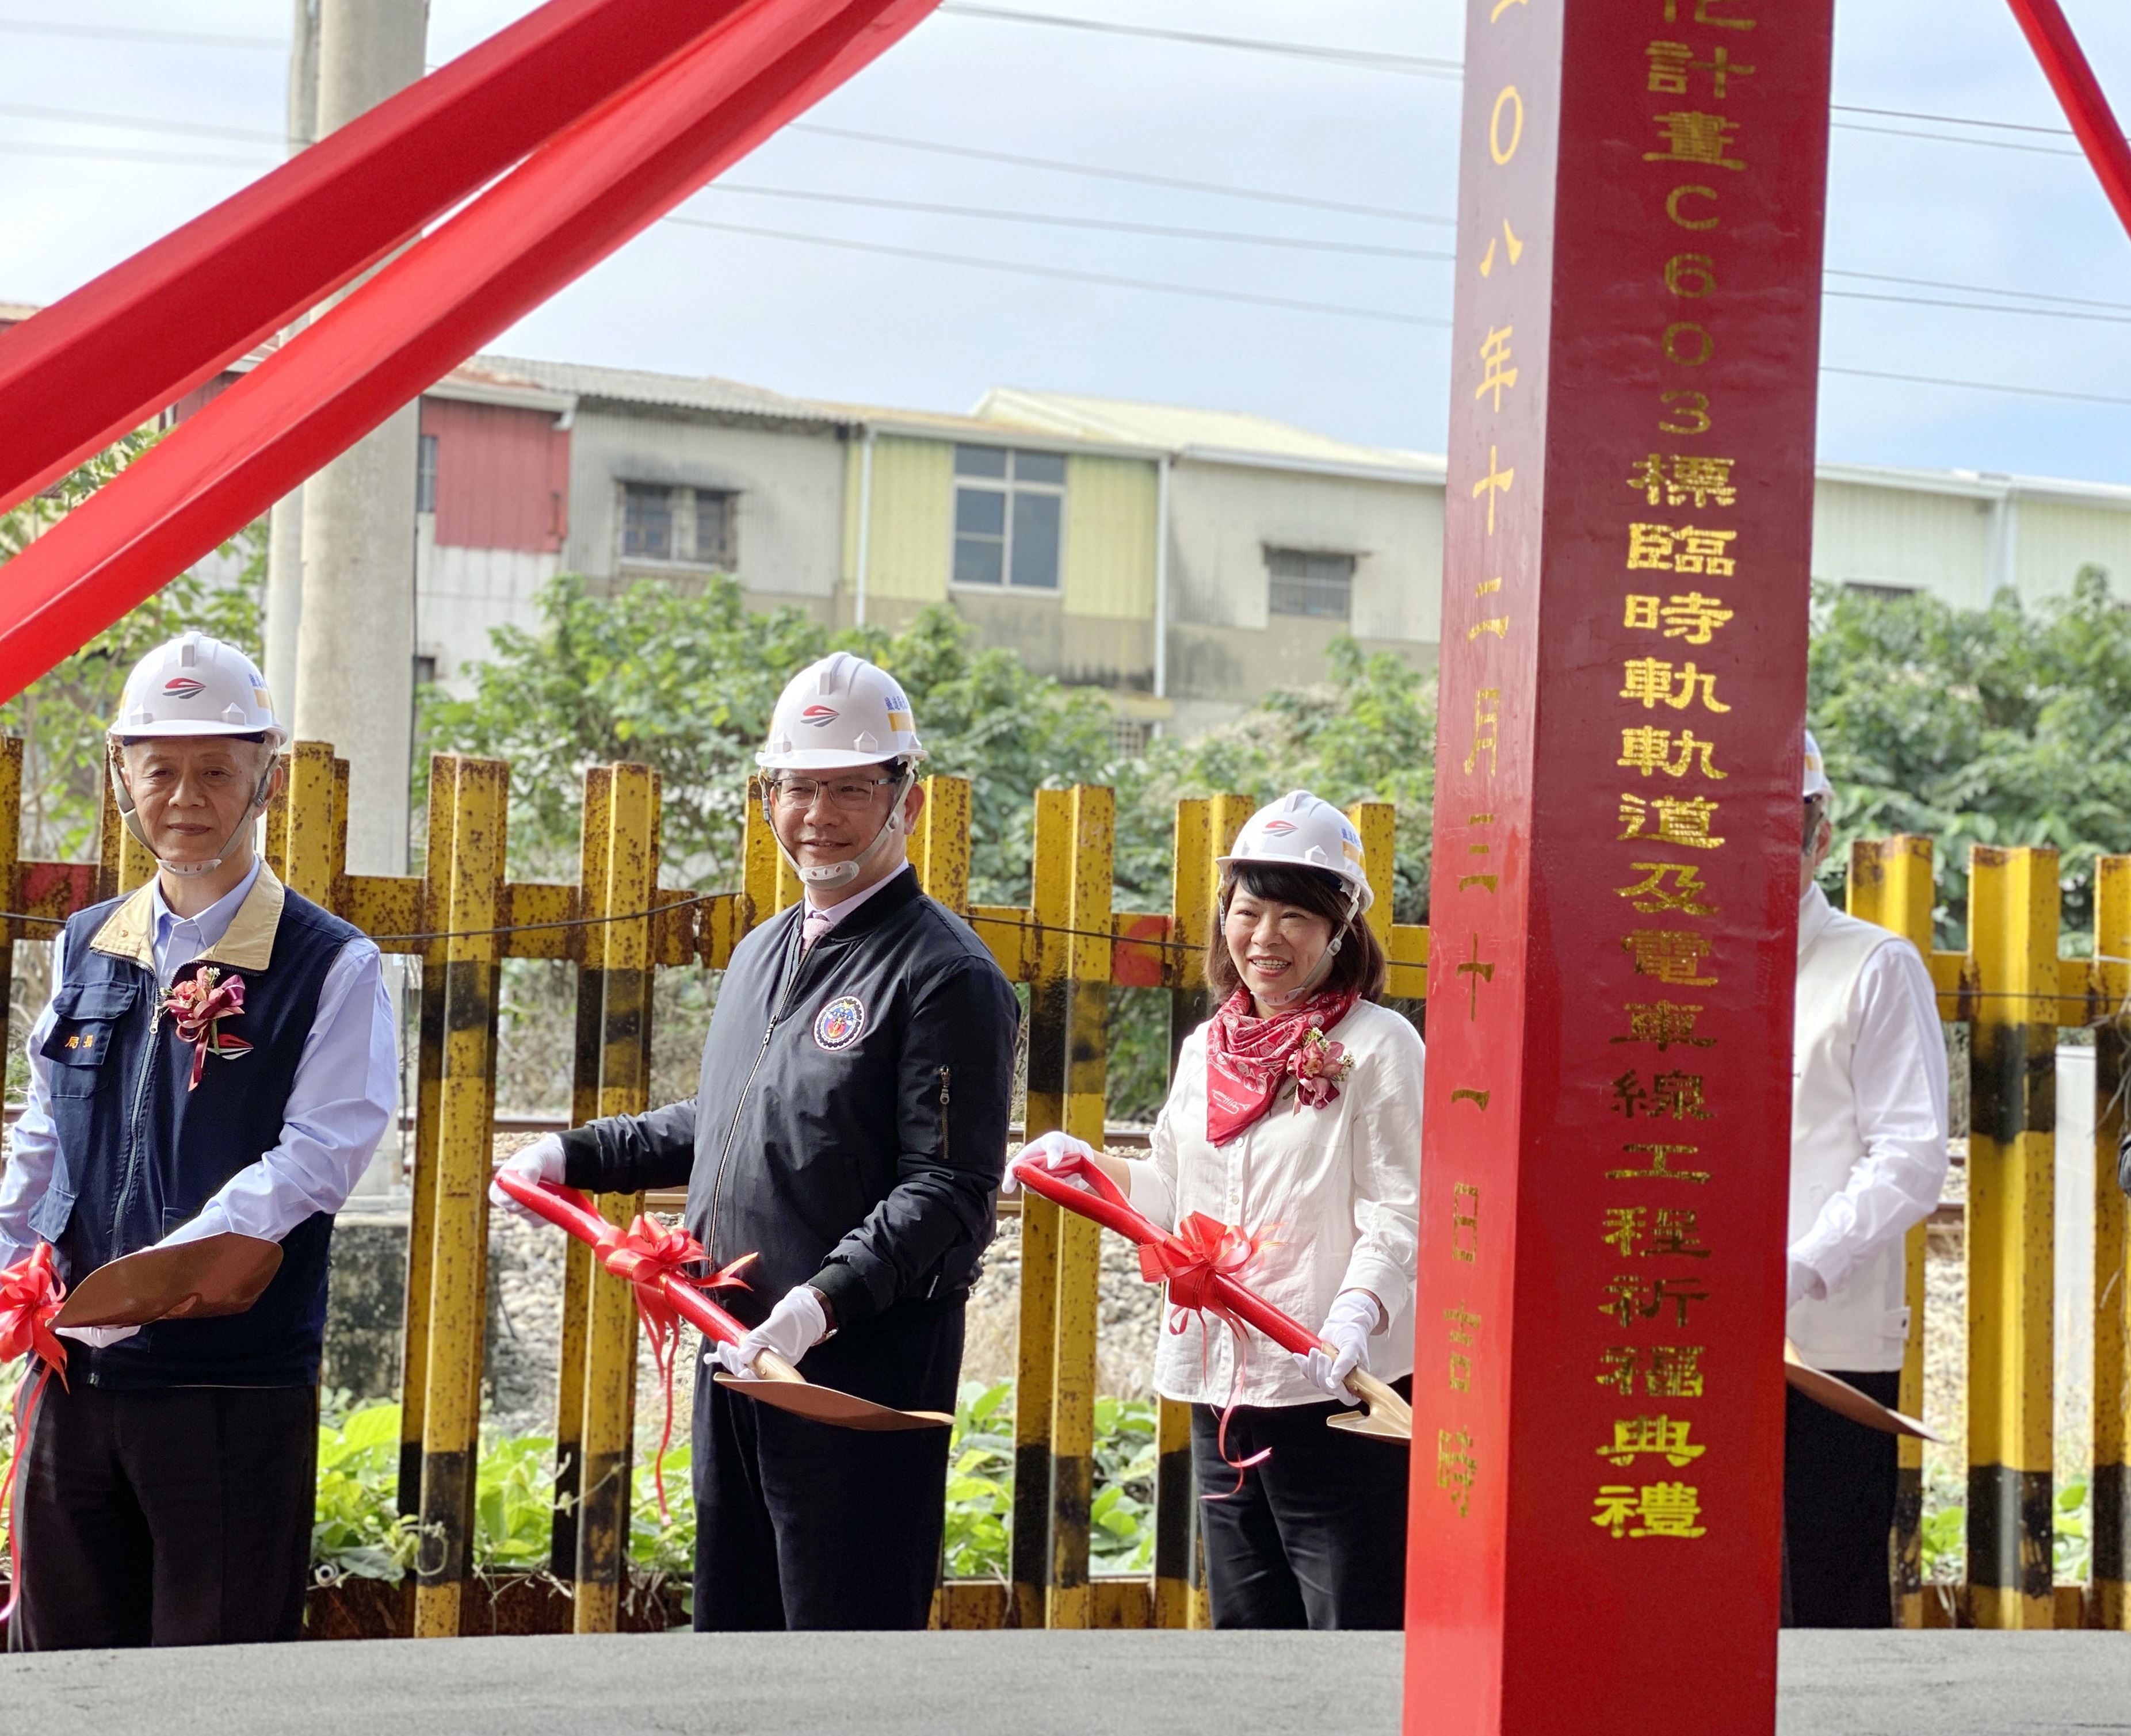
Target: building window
{"points": [[1307, 582], [425, 475], [681, 526], [1010, 517], [425, 672], [1130, 736], [1879, 593]]}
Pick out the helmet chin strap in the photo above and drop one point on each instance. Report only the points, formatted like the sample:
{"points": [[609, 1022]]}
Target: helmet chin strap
{"points": [[1324, 964], [187, 870], [827, 876]]}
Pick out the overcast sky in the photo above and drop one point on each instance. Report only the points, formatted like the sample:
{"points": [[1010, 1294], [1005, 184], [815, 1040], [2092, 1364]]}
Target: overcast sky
{"points": [[881, 328]]}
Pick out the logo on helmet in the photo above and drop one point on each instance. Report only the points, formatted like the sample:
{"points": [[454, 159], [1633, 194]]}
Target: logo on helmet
{"points": [[183, 686], [1278, 828], [820, 716]]}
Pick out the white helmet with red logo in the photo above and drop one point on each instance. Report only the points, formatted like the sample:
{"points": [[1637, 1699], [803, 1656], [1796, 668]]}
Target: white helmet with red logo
{"points": [[196, 685], [840, 713], [193, 686], [1302, 830]]}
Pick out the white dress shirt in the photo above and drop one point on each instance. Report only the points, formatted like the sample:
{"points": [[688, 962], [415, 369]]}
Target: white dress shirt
{"points": [[1337, 1190], [1899, 1078], [345, 1090]]}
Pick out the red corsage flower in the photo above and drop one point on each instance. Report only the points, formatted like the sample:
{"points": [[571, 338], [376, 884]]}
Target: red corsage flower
{"points": [[1320, 1067], [197, 1006]]}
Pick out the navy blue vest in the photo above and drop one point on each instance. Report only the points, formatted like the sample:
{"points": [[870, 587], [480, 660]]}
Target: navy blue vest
{"points": [[139, 1153]]}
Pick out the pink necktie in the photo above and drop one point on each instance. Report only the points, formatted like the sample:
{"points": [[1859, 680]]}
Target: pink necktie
{"points": [[811, 929]]}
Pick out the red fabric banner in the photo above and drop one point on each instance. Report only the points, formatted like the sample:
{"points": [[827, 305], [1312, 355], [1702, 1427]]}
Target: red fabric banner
{"points": [[572, 204], [134, 340]]}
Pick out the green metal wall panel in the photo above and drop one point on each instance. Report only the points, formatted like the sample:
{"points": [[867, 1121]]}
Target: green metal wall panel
{"points": [[913, 501], [1110, 514]]}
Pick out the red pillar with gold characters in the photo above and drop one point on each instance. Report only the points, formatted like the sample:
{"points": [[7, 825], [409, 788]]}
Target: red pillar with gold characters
{"points": [[1599, 1399]]}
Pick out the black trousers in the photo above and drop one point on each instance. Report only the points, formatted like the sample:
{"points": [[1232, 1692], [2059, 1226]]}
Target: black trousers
{"points": [[1839, 1486], [178, 1516], [803, 1525], [1315, 1537]]}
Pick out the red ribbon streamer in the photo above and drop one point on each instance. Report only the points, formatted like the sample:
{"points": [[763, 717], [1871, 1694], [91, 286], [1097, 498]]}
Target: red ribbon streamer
{"points": [[197, 1006], [647, 1255], [31, 1293], [1202, 1263]]}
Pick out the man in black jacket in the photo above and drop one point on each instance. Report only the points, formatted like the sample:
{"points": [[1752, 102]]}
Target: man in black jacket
{"points": [[849, 1129]]}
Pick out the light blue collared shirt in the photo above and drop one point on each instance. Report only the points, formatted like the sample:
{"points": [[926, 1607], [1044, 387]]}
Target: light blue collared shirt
{"points": [[342, 1101]]}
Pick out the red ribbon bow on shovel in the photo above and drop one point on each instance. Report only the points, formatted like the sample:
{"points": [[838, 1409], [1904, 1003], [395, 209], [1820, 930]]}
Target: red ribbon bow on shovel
{"points": [[31, 1293], [647, 1254], [1202, 1249], [197, 1006]]}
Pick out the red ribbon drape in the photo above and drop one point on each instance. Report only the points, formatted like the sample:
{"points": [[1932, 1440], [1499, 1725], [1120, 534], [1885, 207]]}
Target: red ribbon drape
{"points": [[647, 1254], [31, 1293], [1202, 1262]]}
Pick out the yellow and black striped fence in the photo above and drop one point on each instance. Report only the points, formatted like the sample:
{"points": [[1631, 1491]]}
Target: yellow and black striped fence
{"points": [[462, 916]]}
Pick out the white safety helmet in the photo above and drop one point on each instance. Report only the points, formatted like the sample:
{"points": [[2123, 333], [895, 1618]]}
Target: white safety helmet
{"points": [[193, 686], [1302, 830], [839, 713], [1816, 770], [842, 714]]}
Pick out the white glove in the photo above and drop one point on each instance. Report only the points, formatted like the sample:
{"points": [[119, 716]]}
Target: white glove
{"points": [[1059, 1153], [796, 1325], [1804, 1283], [97, 1337], [1354, 1315], [541, 1161]]}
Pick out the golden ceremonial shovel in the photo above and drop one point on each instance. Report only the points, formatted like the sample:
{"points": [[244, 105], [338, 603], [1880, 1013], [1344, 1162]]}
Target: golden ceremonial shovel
{"points": [[195, 1280], [1844, 1401]]}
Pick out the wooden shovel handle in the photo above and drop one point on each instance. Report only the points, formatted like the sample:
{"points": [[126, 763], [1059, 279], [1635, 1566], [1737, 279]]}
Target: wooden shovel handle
{"points": [[1382, 1399], [768, 1365]]}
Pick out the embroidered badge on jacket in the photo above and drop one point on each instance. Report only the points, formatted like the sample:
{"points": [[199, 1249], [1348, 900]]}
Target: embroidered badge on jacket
{"points": [[839, 1024]]}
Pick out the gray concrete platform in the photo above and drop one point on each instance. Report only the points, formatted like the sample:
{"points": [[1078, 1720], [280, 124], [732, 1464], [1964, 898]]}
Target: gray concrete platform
{"points": [[1025, 1684]]}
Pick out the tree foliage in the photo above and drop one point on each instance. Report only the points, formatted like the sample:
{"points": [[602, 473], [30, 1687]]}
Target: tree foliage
{"points": [[2004, 726], [62, 715], [685, 684]]}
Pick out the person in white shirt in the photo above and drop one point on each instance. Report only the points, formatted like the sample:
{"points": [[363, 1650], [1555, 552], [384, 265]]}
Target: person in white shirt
{"points": [[1295, 1115], [1868, 1159], [216, 1056]]}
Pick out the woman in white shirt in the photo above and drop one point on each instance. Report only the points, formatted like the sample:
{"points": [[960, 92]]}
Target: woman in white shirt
{"points": [[1295, 1115]]}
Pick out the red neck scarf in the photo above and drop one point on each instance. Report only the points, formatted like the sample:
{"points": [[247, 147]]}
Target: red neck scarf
{"points": [[1246, 1057]]}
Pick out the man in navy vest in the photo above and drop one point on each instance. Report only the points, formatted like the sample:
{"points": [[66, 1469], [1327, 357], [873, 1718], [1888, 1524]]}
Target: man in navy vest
{"points": [[217, 1056]]}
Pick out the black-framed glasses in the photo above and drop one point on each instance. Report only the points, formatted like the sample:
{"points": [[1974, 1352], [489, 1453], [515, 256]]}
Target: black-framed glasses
{"points": [[854, 795]]}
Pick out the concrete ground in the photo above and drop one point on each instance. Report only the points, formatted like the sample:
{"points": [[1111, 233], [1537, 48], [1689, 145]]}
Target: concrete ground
{"points": [[1932, 1684]]}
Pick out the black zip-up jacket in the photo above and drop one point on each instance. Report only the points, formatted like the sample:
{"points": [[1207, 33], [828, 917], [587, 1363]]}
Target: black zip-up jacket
{"points": [[849, 1126]]}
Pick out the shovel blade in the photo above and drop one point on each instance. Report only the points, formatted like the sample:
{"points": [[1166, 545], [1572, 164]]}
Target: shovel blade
{"points": [[1371, 1423], [825, 1404]]}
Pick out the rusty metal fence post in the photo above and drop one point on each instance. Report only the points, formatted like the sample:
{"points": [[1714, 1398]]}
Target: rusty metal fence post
{"points": [[1036, 1339], [2110, 1484], [458, 1278], [2012, 1237], [624, 971], [1891, 884]]}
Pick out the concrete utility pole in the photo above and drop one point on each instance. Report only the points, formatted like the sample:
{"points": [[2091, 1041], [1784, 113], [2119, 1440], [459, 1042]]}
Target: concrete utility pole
{"points": [[355, 652], [285, 540]]}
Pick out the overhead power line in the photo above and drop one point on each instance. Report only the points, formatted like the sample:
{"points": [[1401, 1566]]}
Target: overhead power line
{"points": [[1950, 120], [120, 153], [1066, 275], [1109, 225], [1419, 65], [138, 123], [1136, 176], [129, 33], [1953, 138], [1928, 283], [1979, 385]]}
